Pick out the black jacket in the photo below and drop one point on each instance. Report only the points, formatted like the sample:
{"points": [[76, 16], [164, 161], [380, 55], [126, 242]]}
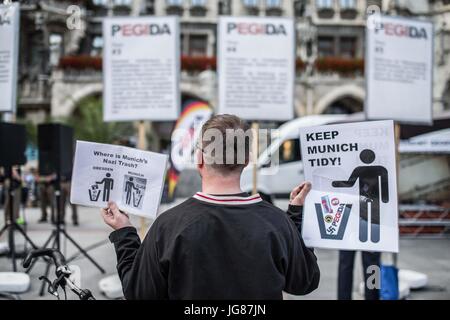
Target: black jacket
{"points": [[217, 247]]}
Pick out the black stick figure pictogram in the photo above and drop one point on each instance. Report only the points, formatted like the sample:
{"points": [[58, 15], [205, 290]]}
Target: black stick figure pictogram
{"points": [[129, 186], [108, 185], [370, 178]]}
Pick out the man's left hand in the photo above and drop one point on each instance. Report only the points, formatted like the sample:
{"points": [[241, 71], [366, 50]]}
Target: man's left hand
{"points": [[298, 195]]}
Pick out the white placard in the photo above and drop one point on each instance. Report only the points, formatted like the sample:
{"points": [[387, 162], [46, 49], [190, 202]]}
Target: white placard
{"points": [[399, 69], [141, 66], [9, 53], [353, 203], [256, 59], [133, 178]]}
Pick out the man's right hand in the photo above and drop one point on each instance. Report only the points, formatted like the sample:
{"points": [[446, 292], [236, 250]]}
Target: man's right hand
{"points": [[115, 218]]}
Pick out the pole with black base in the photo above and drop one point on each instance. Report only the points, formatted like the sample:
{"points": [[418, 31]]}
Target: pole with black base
{"points": [[10, 223]]}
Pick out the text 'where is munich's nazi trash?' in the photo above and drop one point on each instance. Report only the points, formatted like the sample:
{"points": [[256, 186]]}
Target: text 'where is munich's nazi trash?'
{"points": [[132, 178]]}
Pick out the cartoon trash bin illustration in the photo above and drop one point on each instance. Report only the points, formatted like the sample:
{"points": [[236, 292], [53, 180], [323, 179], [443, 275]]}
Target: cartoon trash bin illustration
{"points": [[332, 225], [137, 196], [94, 192]]}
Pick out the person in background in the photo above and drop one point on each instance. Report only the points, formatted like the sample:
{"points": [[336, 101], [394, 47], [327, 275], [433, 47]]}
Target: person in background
{"points": [[345, 274], [65, 188], [30, 185], [46, 196], [16, 189], [2, 187], [221, 243]]}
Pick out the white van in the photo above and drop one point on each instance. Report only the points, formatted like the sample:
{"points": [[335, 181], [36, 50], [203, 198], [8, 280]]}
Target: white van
{"points": [[278, 179]]}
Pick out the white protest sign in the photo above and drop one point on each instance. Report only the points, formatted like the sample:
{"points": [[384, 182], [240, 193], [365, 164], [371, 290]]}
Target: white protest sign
{"points": [[141, 66], [256, 67], [133, 178], [353, 203], [399, 69], [9, 53]]}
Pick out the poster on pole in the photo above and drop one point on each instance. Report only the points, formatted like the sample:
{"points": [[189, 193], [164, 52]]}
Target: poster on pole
{"points": [[133, 178], [9, 54], [256, 67], [353, 203], [141, 66], [399, 69]]}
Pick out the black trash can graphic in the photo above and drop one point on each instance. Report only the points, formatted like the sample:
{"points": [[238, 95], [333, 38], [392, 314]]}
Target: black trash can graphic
{"points": [[333, 219], [94, 192], [137, 197]]}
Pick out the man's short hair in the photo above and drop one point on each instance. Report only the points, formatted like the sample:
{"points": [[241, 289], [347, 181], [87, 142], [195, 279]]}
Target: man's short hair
{"points": [[225, 142]]}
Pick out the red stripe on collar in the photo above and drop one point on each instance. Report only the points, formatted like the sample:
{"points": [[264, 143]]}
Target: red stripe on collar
{"points": [[227, 200]]}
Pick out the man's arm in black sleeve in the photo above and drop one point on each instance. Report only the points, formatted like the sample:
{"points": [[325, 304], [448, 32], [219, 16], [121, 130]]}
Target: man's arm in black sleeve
{"points": [[303, 273], [295, 213], [138, 265]]}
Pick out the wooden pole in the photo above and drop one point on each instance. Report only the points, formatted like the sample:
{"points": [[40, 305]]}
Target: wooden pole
{"points": [[255, 151], [142, 145]]}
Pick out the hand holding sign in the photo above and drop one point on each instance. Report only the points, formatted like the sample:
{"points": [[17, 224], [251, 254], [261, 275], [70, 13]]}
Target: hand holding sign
{"points": [[115, 218], [298, 195]]}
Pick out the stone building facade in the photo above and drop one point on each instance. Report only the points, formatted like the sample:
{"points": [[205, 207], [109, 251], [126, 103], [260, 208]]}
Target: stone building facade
{"points": [[60, 66]]}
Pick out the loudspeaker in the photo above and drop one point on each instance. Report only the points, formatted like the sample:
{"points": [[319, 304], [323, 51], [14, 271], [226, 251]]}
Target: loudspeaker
{"points": [[55, 144], [13, 143]]}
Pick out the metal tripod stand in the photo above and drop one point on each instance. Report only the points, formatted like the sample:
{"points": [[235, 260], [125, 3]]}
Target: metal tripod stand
{"points": [[10, 223]]}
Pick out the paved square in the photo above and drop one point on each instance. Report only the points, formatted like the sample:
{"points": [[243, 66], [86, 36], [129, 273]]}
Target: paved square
{"points": [[430, 256]]}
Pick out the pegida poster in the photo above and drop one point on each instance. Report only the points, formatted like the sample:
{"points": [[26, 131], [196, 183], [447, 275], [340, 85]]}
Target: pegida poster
{"points": [[399, 69], [141, 68], [256, 61]]}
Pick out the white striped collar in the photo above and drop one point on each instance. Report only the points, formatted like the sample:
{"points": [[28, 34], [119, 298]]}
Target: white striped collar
{"points": [[227, 200]]}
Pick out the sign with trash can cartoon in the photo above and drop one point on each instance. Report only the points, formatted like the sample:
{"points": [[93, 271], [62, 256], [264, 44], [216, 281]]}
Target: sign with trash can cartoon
{"points": [[353, 201], [132, 178]]}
